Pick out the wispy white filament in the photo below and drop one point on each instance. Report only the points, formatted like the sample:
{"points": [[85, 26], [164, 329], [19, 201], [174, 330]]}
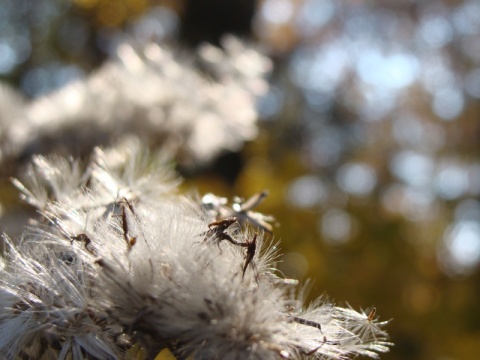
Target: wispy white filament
{"points": [[119, 254]]}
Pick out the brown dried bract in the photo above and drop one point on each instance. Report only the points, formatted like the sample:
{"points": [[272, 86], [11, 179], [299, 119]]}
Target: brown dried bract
{"points": [[251, 248], [83, 238], [307, 322], [130, 240], [217, 230]]}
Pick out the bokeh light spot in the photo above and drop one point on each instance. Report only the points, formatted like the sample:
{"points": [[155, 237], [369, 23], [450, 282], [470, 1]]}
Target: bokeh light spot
{"points": [[306, 191], [466, 17], [448, 103], [436, 72], [325, 68], [461, 249], [277, 11], [413, 168], [314, 14], [394, 71], [435, 31], [356, 178], [451, 181], [336, 226], [412, 203]]}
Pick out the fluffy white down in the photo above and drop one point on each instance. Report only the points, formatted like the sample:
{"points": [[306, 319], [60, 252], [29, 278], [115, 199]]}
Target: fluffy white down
{"points": [[120, 258]]}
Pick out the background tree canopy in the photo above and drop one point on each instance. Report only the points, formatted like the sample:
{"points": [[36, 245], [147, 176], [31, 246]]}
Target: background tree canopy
{"points": [[368, 139]]}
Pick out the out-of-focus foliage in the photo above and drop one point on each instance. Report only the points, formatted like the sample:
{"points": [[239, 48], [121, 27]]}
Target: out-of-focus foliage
{"points": [[380, 102], [368, 143]]}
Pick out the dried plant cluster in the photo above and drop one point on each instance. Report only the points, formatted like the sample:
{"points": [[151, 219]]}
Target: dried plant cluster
{"points": [[119, 260], [200, 104]]}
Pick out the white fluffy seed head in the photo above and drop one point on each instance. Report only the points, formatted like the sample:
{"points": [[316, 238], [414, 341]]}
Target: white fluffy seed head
{"points": [[46, 293], [151, 92], [125, 255]]}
